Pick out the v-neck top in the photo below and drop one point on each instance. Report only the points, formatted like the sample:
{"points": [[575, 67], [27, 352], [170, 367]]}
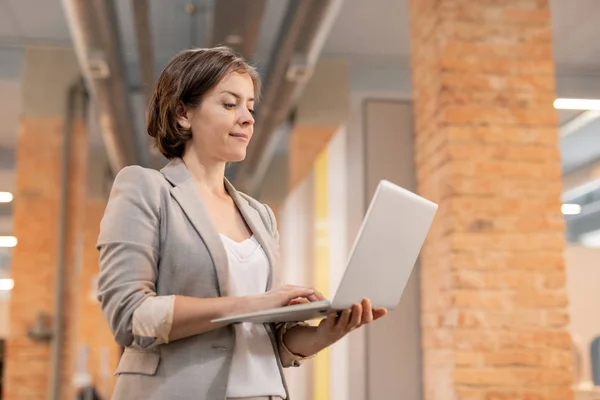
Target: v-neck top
{"points": [[254, 370]]}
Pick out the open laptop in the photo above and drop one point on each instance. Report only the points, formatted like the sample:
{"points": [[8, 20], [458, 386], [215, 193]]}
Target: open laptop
{"points": [[380, 263]]}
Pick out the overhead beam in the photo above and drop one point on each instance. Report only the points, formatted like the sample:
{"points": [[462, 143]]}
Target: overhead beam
{"points": [[578, 122], [587, 221]]}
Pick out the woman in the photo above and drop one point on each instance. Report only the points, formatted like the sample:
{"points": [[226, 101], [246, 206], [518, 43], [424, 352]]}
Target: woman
{"points": [[181, 247]]}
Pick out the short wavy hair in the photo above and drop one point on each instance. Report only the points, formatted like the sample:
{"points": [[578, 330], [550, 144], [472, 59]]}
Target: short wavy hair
{"points": [[185, 81]]}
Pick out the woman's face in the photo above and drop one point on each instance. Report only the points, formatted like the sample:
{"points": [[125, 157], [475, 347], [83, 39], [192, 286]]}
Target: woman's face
{"points": [[223, 123]]}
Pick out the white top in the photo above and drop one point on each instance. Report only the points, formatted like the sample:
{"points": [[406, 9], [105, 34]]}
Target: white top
{"points": [[254, 370]]}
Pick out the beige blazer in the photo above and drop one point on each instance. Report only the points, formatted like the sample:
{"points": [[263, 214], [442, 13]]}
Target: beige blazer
{"points": [[156, 238]]}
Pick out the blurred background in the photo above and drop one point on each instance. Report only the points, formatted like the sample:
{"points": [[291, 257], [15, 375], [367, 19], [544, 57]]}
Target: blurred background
{"points": [[489, 108]]}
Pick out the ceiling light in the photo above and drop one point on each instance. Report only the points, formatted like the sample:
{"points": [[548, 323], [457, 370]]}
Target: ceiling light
{"points": [[6, 197], [570, 209], [8, 241], [7, 284], [577, 104]]}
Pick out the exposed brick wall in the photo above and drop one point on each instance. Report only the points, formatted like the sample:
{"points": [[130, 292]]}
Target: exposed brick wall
{"points": [[34, 265], [103, 352], [494, 310]]}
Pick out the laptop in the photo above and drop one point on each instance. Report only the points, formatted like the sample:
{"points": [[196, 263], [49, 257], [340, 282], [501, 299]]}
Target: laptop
{"points": [[380, 263]]}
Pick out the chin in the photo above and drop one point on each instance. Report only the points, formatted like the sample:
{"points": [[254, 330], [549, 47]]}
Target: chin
{"points": [[237, 157]]}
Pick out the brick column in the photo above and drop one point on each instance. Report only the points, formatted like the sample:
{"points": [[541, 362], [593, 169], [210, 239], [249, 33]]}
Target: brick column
{"points": [[493, 278], [46, 78], [94, 335], [94, 338]]}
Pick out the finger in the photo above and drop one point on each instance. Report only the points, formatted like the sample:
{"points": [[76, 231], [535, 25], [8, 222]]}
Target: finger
{"points": [[356, 317], [330, 320], [319, 296], [367, 314], [343, 319], [378, 313], [298, 300], [303, 292], [312, 298]]}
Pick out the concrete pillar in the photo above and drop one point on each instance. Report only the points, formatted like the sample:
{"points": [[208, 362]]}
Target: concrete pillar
{"points": [[47, 75], [486, 149]]}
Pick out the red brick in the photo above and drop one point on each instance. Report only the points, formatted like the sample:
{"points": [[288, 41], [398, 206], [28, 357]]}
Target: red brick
{"points": [[507, 241], [482, 115], [34, 262], [487, 92], [514, 135], [495, 32], [486, 143], [495, 319], [512, 376], [515, 393], [557, 319], [497, 90], [494, 280], [518, 16], [475, 64], [529, 300], [485, 186], [482, 299], [500, 51], [488, 339], [555, 280], [503, 261]]}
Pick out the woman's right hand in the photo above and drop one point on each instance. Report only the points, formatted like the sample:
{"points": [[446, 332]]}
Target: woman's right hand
{"points": [[284, 295]]}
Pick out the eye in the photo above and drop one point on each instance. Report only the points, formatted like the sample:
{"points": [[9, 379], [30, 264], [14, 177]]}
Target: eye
{"points": [[229, 106], [252, 111]]}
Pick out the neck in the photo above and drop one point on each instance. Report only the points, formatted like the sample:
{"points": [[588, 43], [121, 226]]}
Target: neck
{"points": [[207, 174]]}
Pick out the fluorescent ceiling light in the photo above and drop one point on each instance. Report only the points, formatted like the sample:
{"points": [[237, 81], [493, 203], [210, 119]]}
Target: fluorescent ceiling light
{"points": [[570, 209], [577, 104], [7, 284], [6, 197], [8, 241]]}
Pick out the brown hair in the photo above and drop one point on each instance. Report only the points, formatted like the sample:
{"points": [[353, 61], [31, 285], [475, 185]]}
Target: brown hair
{"points": [[185, 81]]}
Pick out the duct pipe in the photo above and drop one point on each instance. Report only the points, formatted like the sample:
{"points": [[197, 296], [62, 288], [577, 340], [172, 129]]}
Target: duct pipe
{"points": [[94, 29], [74, 90]]}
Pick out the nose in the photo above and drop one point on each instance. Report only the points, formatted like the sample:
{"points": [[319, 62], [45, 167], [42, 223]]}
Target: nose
{"points": [[246, 118]]}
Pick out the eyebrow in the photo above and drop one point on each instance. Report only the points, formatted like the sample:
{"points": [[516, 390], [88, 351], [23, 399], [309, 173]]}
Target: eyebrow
{"points": [[237, 96]]}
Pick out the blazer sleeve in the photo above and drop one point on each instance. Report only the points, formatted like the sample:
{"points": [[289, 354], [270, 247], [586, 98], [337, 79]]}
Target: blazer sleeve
{"points": [[129, 250]]}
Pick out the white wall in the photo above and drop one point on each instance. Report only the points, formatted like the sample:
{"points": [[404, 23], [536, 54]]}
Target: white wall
{"points": [[296, 233], [384, 79], [338, 254], [583, 289]]}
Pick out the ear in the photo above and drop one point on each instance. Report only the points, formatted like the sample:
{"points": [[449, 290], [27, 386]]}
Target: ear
{"points": [[183, 116]]}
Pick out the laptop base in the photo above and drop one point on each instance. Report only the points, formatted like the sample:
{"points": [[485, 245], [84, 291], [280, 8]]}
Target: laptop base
{"points": [[295, 313]]}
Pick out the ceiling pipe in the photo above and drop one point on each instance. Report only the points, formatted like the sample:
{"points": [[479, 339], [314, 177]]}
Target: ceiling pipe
{"points": [[143, 34], [304, 30], [94, 29], [237, 25]]}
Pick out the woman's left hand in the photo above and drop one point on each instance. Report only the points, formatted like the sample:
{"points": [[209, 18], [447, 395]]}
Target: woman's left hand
{"points": [[335, 326]]}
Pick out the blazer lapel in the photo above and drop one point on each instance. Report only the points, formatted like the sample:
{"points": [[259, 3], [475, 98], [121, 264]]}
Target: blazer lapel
{"points": [[186, 195], [257, 226]]}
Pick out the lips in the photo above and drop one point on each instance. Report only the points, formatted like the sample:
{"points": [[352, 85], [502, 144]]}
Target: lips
{"points": [[243, 136]]}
